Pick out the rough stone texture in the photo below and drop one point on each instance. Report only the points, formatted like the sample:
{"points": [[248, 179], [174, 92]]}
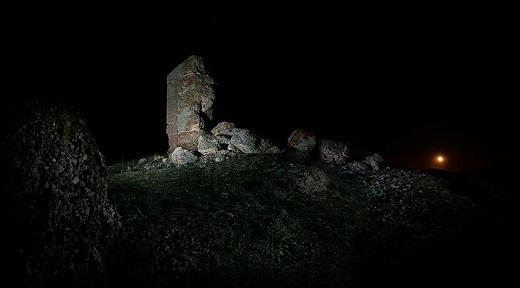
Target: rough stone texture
{"points": [[301, 140], [333, 151], [64, 224], [369, 163], [182, 156], [189, 103], [223, 128], [226, 136], [208, 144], [249, 142], [374, 161], [358, 166], [245, 141]]}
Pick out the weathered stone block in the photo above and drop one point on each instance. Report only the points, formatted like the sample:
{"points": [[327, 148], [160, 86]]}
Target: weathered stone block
{"points": [[189, 103]]}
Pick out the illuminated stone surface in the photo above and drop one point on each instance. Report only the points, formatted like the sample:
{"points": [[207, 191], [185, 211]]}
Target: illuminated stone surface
{"points": [[189, 103]]}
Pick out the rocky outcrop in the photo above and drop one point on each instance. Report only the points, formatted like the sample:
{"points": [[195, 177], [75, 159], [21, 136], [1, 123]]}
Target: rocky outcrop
{"points": [[189, 103], [65, 225]]}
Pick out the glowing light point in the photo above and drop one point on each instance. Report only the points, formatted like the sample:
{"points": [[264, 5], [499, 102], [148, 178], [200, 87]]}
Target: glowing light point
{"points": [[440, 159]]}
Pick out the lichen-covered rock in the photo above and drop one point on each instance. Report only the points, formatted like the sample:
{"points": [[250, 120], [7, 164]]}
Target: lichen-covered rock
{"points": [[65, 225]]}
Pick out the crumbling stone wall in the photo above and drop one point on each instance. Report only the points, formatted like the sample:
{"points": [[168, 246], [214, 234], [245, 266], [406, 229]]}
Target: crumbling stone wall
{"points": [[64, 225], [189, 103]]}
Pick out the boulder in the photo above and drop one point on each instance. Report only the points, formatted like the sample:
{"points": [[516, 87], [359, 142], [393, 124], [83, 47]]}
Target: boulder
{"points": [[301, 140], [333, 151]]}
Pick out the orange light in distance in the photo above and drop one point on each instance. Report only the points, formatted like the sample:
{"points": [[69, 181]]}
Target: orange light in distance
{"points": [[439, 161]]}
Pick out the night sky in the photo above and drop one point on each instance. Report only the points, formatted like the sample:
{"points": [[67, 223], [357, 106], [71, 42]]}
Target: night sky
{"points": [[405, 83]]}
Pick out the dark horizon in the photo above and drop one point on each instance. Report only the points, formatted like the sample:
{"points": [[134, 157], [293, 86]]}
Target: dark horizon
{"points": [[407, 86], [137, 129]]}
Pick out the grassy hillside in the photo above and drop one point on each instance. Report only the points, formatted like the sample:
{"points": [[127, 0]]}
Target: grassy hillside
{"points": [[288, 220]]}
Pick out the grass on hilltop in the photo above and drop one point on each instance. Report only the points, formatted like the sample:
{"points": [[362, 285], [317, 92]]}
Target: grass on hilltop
{"points": [[244, 222]]}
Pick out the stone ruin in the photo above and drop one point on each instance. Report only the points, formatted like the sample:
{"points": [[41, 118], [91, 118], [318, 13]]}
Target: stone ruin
{"points": [[189, 110], [223, 141], [189, 103]]}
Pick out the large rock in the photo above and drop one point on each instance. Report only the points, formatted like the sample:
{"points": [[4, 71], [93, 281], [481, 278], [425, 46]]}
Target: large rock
{"points": [[333, 151], [370, 162], [189, 103], [64, 225], [301, 140]]}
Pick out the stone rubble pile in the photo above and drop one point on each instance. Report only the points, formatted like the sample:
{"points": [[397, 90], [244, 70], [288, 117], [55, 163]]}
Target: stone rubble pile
{"points": [[64, 224]]}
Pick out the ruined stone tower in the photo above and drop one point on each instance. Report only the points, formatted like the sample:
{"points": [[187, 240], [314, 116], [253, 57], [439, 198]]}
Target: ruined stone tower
{"points": [[189, 103]]}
